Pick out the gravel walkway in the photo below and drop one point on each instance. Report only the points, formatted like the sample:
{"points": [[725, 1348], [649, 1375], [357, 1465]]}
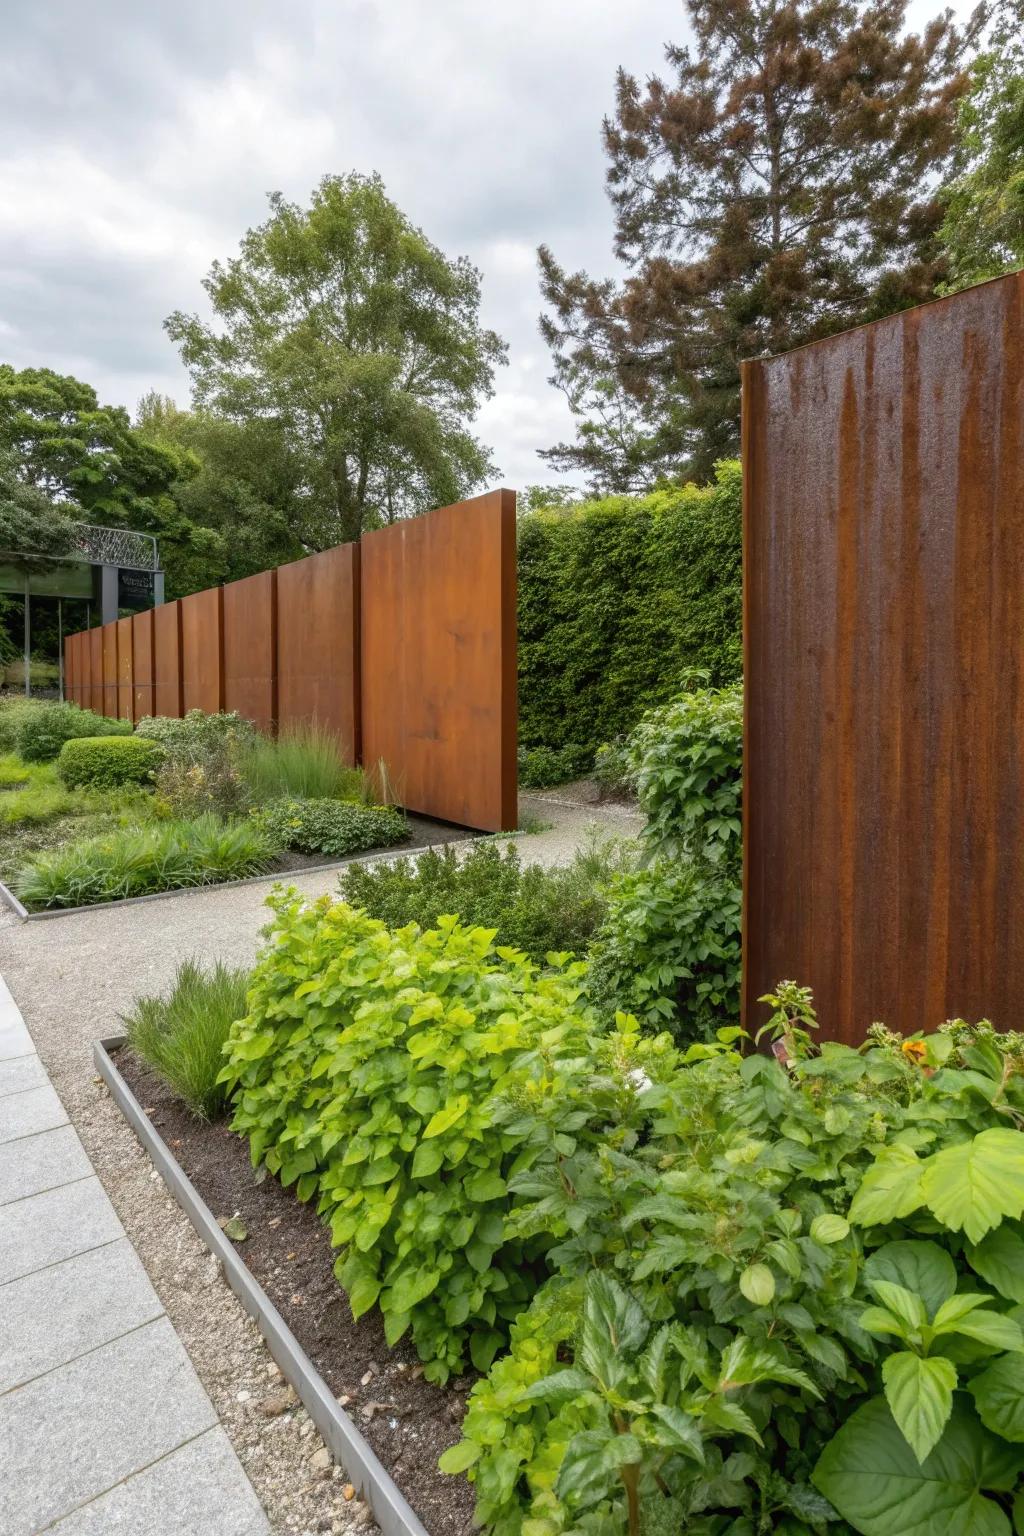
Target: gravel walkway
{"points": [[72, 976]]}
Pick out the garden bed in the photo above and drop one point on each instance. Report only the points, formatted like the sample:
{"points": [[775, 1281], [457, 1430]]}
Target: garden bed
{"points": [[407, 1421]]}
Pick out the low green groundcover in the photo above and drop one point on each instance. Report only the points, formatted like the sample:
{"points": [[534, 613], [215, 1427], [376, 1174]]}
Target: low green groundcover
{"points": [[332, 827]]}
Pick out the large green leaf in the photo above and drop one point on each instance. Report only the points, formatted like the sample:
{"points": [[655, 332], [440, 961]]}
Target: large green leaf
{"points": [[999, 1396], [615, 1327], [973, 1185], [590, 1468], [920, 1394], [922, 1267], [890, 1189], [871, 1476], [999, 1259]]}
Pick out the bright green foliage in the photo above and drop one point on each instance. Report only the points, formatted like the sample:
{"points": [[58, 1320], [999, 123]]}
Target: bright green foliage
{"points": [[983, 230], [541, 766], [42, 732], [368, 1071], [669, 950], [181, 1036], [331, 827], [36, 795], [616, 599], [533, 909], [719, 1198], [106, 762], [303, 762], [136, 861], [361, 342], [13, 709]]}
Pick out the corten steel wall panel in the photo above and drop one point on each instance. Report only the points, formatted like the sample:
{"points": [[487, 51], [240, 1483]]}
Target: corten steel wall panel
{"points": [[167, 660], [318, 644], [85, 669], [125, 669], [439, 660], [70, 668], [110, 669], [95, 699], [202, 668], [250, 648], [142, 650], [884, 663]]}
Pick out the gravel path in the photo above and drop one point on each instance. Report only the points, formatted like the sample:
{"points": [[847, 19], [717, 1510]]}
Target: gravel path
{"points": [[72, 976]]}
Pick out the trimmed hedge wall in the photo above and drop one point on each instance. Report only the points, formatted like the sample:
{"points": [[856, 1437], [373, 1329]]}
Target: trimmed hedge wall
{"points": [[108, 762], [617, 598]]}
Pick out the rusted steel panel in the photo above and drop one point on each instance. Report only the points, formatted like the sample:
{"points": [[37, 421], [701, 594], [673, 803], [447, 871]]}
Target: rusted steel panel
{"points": [[95, 700], [70, 668], [125, 669], [439, 660], [167, 660], [250, 628], [318, 644], [109, 643], [142, 677], [884, 660], [202, 666]]}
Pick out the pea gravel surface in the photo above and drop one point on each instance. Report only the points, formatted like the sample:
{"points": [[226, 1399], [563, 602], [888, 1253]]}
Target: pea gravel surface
{"points": [[72, 978]]}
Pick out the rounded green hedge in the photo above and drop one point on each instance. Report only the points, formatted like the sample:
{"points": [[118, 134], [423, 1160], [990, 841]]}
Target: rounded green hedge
{"points": [[42, 732], [107, 762]]}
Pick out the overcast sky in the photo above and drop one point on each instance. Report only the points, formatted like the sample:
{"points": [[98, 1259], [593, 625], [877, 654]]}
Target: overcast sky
{"points": [[138, 142]]}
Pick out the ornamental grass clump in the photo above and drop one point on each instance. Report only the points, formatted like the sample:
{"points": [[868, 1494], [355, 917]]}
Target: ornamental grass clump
{"points": [[137, 861], [303, 762], [181, 1036], [368, 1072]]}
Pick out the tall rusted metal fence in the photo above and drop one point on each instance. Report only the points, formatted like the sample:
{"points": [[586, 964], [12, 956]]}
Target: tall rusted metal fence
{"points": [[404, 647], [884, 667]]}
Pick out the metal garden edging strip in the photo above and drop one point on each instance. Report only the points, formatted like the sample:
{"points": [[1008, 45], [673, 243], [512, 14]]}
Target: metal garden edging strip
{"points": [[392, 1512], [280, 877]]}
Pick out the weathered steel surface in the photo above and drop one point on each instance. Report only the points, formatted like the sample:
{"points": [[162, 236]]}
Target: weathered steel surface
{"points": [[72, 674], [250, 627], [202, 666], [95, 700], [125, 668], [167, 660], [142, 647], [318, 643], [884, 660], [109, 648], [439, 660]]}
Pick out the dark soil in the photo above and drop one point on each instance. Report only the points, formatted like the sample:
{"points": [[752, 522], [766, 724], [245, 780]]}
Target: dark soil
{"points": [[408, 1421], [423, 833]]}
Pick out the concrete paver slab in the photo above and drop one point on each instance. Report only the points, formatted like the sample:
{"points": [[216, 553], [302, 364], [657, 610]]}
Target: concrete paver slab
{"points": [[71, 1435], [20, 1073], [38, 1163], [15, 1039], [65, 1310], [25, 1114], [163, 1500], [44, 1229]]}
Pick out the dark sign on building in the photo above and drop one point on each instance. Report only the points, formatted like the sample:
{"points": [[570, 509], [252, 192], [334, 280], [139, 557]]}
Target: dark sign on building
{"points": [[134, 589]]}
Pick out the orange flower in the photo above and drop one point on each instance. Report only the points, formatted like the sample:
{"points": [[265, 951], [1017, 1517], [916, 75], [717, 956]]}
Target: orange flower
{"points": [[915, 1048]]}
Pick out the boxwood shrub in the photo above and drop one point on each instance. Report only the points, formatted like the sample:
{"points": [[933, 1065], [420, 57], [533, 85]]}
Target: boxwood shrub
{"points": [[332, 827], [107, 762], [42, 732]]}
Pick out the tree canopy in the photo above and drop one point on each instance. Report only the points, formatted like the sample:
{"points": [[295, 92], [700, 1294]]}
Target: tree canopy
{"points": [[341, 328], [780, 185], [983, 230]]}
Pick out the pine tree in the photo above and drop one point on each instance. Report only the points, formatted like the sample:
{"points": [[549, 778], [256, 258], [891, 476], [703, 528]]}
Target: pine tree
{"points": [[783, 185]]}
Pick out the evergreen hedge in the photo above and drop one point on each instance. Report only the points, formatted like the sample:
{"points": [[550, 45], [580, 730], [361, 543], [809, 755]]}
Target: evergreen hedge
{"points": [[617, 597]]}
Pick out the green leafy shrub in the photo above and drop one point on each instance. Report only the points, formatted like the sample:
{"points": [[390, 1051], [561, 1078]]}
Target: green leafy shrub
{"points": [[196, 733], [107, 762], [616, 598], [669, 949], [42, 732], [533, 909], [304, 762], [366, 1072], [540, 767], [331, 827], [13, 710], [135, 861], [181, 1036], [788, 1293]]}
